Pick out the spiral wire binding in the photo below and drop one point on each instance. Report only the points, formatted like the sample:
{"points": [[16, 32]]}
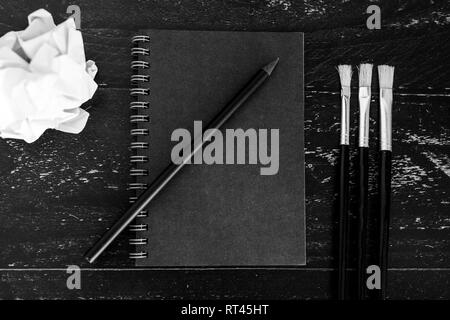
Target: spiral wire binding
{"points": [[140, 54]]}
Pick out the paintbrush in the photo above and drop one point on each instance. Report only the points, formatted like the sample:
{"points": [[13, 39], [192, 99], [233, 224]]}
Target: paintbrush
{"points": [[345, 75], [386, 79], [365, 81]]}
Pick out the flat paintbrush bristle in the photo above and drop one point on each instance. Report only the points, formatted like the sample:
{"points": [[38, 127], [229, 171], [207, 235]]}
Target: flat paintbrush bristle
{"points": [[365, 74], [345, 74], [386, 76]]}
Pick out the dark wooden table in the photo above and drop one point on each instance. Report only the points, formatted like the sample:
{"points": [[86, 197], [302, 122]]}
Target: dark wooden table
{"points": [[59, 194]]}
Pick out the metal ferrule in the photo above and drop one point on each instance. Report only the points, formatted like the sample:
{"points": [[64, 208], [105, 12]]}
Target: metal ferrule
{"points": [[364, 112], [386, 119], [345, 115]]}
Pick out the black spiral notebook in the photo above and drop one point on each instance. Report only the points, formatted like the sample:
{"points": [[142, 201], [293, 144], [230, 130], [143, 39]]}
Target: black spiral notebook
{"points": [[217, 215]]}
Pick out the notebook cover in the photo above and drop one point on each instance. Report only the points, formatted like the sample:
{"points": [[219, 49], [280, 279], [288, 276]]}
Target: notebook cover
{"points": [[225, 215]]}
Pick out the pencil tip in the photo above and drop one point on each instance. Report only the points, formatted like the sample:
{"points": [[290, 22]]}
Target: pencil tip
{"points": [[270, 66]]}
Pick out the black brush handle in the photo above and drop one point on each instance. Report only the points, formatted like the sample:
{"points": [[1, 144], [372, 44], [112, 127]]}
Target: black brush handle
{"points": [[363, 190], [343, 220], [384, 218]]}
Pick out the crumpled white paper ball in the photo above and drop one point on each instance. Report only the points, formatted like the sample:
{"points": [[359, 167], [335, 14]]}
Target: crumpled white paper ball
{"points": [[44, 79]]}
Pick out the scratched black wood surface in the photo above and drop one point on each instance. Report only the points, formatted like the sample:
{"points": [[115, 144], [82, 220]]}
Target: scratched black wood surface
{"points": [[60, 193]]}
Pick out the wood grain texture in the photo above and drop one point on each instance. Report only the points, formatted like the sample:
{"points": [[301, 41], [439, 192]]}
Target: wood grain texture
{"points": [[209, 284], [59, 188], [60, 193]]}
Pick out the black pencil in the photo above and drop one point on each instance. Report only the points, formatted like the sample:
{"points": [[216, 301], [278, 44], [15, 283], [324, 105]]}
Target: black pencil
{"points": [[365, 81], [239, 99], [345, 74], [386, 79]]}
